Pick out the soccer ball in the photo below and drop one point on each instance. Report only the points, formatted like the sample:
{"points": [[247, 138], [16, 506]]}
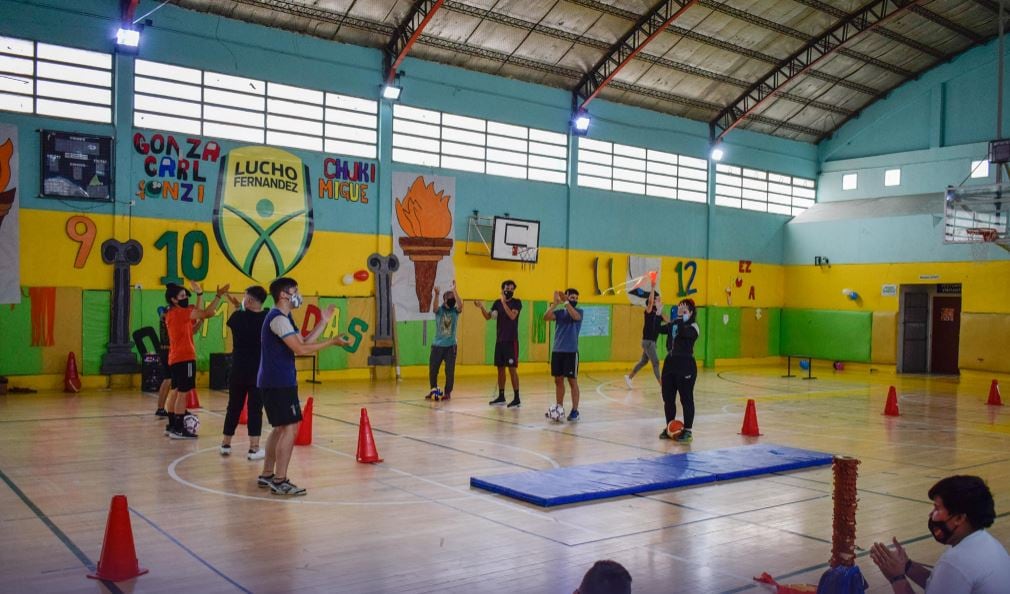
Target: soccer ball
{"points": [[555, 413], [191, 422]]}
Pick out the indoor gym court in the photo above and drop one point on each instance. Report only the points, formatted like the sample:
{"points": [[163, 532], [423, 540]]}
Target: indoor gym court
{"points": [[824, 180]]}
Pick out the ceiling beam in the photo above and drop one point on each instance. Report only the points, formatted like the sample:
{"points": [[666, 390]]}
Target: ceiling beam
{"points": [[407, 33], [801, 61], [624, 50], [923, 12]]}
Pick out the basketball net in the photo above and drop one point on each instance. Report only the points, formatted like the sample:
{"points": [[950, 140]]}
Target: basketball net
{"points": [[527, 257], [983, 238]]}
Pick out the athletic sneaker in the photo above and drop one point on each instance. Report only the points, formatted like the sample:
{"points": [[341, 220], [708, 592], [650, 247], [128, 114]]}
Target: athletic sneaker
{"points": [[183, 435], [433, 393], [446, 396], [168, 429], [225, 450], [286, 487], [515, 403], [263, 481], [664, 435], [685, 436], [256, 454], [627, 381], [499, 401], [573, 416], [161, 413]]}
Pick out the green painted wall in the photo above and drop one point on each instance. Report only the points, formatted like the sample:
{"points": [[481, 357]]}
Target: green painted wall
{"points": [[824, 334], [774, 317], [723, 330], [16, 328]]}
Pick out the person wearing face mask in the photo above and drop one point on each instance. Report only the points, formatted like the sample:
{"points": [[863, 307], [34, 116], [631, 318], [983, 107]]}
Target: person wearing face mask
{"points": [[246, 325], [506, 350], [650, 333], [565, 354], [443, 347], [975, 563], [680, 370], [182, 320], [277, 380]]}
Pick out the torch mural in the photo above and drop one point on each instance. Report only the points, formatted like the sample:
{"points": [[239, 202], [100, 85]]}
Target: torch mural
{"points": [[10, 268], [423, 241]]}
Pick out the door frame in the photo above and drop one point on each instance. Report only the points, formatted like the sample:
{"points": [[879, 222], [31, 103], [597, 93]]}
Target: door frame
{"points": [[932, 291]]}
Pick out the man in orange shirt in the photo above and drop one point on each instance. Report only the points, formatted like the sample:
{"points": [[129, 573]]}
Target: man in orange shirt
{"points": [[182, 320]]}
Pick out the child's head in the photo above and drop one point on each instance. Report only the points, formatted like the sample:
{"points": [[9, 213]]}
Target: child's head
{"points": [[175, 293]]}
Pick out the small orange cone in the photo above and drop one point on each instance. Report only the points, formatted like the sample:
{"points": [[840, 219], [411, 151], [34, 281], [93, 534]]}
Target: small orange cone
{"points": [[366, 443], [750, 420], [304, 436], [891, 407], [119, 557], [71, 379], [243, 418], [994, 397], [192, 400]]}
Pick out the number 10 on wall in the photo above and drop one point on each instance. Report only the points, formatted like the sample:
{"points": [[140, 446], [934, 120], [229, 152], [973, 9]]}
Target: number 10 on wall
{"points": [[169, 241]]}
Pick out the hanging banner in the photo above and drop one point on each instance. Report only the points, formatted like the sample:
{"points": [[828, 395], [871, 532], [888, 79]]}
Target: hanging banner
{"points": [[423, 211], [10, 263]]}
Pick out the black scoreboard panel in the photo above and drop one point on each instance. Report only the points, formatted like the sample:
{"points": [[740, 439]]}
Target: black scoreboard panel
{"points": [[76, 166]]}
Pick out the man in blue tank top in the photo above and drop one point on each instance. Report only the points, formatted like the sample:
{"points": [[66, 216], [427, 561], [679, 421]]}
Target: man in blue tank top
{"points": [[278, 383]]}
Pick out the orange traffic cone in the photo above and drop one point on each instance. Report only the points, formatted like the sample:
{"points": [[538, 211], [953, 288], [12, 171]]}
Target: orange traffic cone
{"points": [[71, 379], [750, 420], [192, 400], [366, 443], [304, 436], [119, 558], [891, 407], [243, 418], [994, 398]]}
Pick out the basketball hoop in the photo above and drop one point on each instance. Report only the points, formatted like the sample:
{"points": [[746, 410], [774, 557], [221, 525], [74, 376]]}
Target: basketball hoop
{"points": [[982, 239], [527, 257]]}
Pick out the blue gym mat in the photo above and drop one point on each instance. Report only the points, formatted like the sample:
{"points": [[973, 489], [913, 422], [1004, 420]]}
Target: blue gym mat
{"points": [[559, 486]]}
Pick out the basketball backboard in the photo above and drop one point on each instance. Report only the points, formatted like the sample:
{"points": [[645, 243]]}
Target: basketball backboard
{"points": [[515, 240]]}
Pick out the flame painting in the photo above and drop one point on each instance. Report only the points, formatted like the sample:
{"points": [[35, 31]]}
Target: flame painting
{"points": [[426, 220], [6, 196]]}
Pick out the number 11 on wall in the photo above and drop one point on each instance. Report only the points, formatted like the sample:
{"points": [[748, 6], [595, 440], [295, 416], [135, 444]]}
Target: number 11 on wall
{"points": [[169, 241]]}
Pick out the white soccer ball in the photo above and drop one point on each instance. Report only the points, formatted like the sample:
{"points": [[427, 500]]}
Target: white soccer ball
{"points": [[555, 413], [191, 422]]}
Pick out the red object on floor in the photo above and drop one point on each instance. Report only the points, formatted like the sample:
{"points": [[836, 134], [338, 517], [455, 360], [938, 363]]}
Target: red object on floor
{"points": [[71, 379], [192, 400], [304, 436], [243, 418], [891, 408], [994, 397], [366, 453], [119, 557], [750, 420]]}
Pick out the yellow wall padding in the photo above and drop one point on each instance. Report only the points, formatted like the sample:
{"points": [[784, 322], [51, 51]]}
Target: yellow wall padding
{"points": [[626, 342], [985, 342], [66, 331], [753, 334], [470, 335], [884, 341]]}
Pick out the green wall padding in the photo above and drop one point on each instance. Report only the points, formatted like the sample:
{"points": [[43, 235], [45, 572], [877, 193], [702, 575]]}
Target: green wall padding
{"points": [[530, 309], [16, 356], [95, 327], [539, 324], [335, 357], [774, 318], [596, 348], [409, 350], [725, 336], [825, 334]]}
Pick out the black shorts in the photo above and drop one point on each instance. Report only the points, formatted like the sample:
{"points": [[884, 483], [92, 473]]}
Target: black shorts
{"points": [[564, 364], [282, 406], [506, 354], [183, 375]]}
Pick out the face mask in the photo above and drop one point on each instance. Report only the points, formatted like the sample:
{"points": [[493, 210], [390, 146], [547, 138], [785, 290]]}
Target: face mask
{"points": [[296, 301], [450, 303], [574, 302], [183, 302], [941, 527], [686, 317], [509, 294]]}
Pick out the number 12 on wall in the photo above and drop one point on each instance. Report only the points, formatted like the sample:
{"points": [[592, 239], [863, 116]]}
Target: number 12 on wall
{"points": [[682, 267], [169, 241]]}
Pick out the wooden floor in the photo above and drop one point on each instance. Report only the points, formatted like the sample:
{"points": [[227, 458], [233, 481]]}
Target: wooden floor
{"points": [[412, 524]]}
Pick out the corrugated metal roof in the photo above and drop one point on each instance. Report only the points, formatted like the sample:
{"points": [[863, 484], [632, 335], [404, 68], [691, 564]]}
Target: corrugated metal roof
{"points": [[702, 62]]}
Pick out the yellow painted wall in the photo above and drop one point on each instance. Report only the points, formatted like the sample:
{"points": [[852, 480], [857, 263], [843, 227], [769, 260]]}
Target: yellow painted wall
{"points": [[985, 342], [884, 343]]}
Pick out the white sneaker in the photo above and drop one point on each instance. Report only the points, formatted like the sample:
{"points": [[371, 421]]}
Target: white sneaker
{"points": [[224, 449], [257, 455], [627, 381]]}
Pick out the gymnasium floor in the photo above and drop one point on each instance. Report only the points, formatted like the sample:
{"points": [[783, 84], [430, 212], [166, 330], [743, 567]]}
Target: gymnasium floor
{"points": [[412, 524]]}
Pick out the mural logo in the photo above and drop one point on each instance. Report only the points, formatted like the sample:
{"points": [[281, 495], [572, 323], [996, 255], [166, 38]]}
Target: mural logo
{"points": [[263, 211]]}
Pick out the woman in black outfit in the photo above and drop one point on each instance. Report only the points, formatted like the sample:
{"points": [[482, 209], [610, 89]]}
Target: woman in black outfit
{"points": [[680, 370]]}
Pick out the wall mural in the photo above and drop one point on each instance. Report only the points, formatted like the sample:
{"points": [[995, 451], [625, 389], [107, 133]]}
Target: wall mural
{"points": [[10, 255], [422, 241]]}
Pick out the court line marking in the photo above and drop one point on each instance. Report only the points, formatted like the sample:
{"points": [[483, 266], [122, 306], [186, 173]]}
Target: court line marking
{"points": [[71, 546], [189, 551]]}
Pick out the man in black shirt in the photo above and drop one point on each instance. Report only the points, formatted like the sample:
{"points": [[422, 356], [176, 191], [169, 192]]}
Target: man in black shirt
{"points": [[246, 325], [506, 351]]}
